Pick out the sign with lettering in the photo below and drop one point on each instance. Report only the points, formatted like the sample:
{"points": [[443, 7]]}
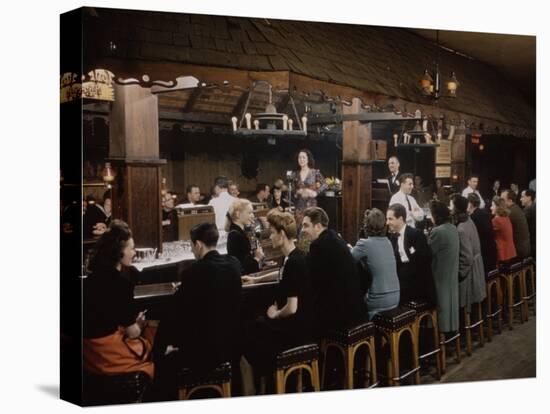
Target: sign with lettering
{"points": [[98, 84], [442, 171], [443, 152]]}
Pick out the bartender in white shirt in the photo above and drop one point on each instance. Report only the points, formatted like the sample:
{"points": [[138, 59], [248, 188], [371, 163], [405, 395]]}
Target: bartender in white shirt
{"points": [[403, 197], [473, 182], [222, 202]]}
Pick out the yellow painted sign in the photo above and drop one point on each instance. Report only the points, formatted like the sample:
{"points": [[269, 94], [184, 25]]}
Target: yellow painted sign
{"points": [[97, 85]]}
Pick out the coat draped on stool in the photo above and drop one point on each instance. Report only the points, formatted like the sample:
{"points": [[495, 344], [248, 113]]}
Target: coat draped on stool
{"points": [[444, 244], [471, 273]]}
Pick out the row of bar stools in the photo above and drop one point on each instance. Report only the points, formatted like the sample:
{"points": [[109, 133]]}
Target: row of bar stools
{"points": [[529, 284], [425, 310], [391, 325], [348, 342], [492, 282], [468, 326], [443, 342], [512, 276], [303, 357], [218, 379]]}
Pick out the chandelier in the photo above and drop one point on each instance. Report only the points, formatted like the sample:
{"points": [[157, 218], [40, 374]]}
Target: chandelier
{"points": [[430, 83]]}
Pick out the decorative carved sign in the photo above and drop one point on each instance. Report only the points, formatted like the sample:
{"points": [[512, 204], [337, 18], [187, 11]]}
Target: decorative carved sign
{"points": [[71, 88], [97, 85]]}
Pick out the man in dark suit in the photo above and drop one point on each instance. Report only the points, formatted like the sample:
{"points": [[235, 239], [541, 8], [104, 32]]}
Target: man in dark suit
{"points": [[519, 224], [482, 220], [336, 286], [201, 329], [413, 257], [528, 201], [262, 194], [393, 178]]}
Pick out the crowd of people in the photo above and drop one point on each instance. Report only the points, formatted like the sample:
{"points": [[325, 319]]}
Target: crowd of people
{"points": [[331, 286]]}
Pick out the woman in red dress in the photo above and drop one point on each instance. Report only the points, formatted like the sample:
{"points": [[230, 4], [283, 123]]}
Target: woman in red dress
{"points": [[504, 235]]}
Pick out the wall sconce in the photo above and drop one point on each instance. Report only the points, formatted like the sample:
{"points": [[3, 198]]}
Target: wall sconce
{"points": [[108, 174]]}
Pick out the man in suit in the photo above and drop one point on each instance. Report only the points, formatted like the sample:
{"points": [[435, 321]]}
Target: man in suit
{"points": [[393, 178], [404, 197], [412, 256], [201, 328], [482, 220], [262, 194], [336, 286], [528, 201], [520, 226]]}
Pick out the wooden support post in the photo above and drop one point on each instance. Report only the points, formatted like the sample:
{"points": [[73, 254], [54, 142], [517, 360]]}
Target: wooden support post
{"points": [[357, 172], [134, 151]]}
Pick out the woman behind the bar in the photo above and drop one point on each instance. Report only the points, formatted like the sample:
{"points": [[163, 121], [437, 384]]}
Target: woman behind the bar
{"points": [[288, 323], [375, 254], [504, 236], [308, 182], [239, 216], [112, 327]]}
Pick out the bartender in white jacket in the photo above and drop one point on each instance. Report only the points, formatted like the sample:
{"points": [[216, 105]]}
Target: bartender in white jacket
{"points": [[404, 197]]}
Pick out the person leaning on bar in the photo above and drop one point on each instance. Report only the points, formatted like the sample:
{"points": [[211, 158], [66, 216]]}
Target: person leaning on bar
{"points": [[202, 326], [112, 328], [287, 322]]}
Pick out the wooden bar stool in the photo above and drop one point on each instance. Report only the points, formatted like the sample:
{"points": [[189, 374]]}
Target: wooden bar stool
{"points": [[219, 380], [443, 342], [425, 310], [348, 342], [512, 277], [114, 388], [492, 282], [468, 326], [303, 357], [391, 325], [529, 284]]}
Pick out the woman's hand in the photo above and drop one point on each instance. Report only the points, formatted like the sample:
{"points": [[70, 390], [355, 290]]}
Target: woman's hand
{"points": [[272, 312], [259, 254], [248, 280]]}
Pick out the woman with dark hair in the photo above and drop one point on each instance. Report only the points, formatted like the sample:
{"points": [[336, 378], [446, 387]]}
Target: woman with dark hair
{"points": [[111, 326], [471, 271], [308, 182], [444, 244], [504, 235], [277, 200], [376, 257]]}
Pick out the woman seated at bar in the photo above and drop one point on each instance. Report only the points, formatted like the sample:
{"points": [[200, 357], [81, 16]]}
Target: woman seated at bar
{"points": [[239, 216], [504, 235], [113, 341], [288, 322], [375, 254], [277, 200]]}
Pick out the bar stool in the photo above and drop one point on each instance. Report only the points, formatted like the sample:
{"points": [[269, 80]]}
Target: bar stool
{"points": [[512, 276], [492, 282], [391, 325], [443, 342], [114, 389], [297, 359], [218, 379], [425, 310], [530, 294], [468, 326], [348, 342]]}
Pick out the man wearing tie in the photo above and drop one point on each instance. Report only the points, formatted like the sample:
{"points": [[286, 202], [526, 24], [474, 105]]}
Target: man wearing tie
{"points": [[404, 197], [412, 256], [393, 181]]}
